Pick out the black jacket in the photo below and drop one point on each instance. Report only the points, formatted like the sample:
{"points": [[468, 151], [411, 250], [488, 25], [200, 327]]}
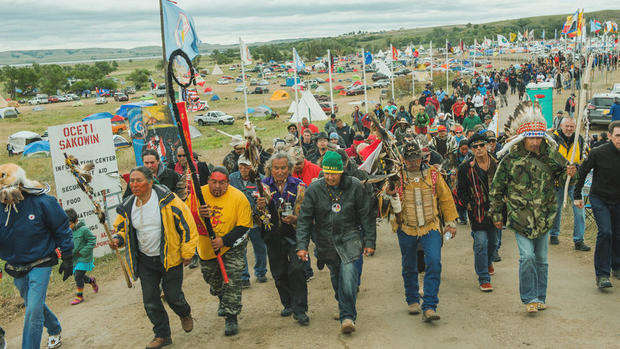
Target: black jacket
{"points": [[338, 234], [466, 192], [605, 160]]}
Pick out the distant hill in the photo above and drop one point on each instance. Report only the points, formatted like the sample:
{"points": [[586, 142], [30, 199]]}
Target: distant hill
{"points": [[341, 44]]}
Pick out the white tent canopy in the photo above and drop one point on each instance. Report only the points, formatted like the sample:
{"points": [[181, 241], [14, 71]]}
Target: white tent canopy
{"points": [[291, 108], [217, 70], [20, 139], [383, 69], [309, 108]]}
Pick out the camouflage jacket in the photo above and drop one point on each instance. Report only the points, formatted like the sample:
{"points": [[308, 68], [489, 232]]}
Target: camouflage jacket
{"points": [[524, 182]]}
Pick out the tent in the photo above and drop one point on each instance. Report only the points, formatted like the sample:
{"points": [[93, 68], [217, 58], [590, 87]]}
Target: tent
{"points": [[291, 108], [383, 69], [98, 116], [217, 70], [279, 95], [38, 148], [120, 142], [357, 83], [21, 139], [320, 89], [208, 89], [308, 107], [356, 78], [338, 87], [193, 132], [262, 110], [215, 98], [124, 109]]}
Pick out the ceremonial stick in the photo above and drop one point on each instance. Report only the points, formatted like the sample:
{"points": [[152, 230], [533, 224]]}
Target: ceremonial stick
{"points": [[82, 182]]}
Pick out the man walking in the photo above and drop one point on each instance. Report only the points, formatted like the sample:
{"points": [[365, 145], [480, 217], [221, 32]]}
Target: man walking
{"points": [[605, 200]]}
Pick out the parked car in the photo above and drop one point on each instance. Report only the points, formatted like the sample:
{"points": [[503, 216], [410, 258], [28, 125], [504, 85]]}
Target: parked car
{"points": [[403, 71], [8, 112], [160, 91], [616, 89], [381, 83], [38, 100], [379, 76], [355, 90], [130, 90], [72, 97], [260, 90], [263, 83], [53, 99], [214, 117], [223, 81], [119, 97], [101, 100], [598, 106], [253, 82], [327, 107]]}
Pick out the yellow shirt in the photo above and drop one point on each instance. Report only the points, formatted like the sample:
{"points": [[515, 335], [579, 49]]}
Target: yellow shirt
{"points": [[228, 211]]}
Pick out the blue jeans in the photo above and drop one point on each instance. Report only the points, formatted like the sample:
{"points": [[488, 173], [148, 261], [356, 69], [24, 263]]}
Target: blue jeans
{"points": [[359, 264], [485, 243], [499, 242], [579, 215], [344, 279], [260, 255], [607, 252], [431, 243], [533, 268], [33, 288]]}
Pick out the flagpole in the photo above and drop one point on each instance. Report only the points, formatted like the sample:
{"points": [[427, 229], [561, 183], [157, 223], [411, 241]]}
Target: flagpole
{"points": [[331, 90], [447, 66], [413, 83], [364, 72], [474, 74], [245, 95], [392, 69], [296, 97], [163, 49], [431, 54], [462, 48]]}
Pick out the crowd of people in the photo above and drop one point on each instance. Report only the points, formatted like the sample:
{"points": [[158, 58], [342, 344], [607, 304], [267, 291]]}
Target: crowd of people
{"points": [[434, 163]]}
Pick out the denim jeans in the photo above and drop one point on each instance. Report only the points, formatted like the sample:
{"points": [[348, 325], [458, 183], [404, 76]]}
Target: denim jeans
{"points": [[579, 215], [499, 243], [431, 243], [607, 252], [344, 277], [33, 288], [152, 272], [533, 268], [260, 255], [485, 243], [359, 264]]}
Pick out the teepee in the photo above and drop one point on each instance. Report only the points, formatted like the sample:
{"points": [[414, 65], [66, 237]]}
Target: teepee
{"points": [[309, 108], [217, 70]]}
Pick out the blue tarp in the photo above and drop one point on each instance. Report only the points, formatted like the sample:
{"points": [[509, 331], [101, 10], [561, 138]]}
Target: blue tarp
{"points": [[37, 147], [98, 116], [215, 98], [124, 109]]}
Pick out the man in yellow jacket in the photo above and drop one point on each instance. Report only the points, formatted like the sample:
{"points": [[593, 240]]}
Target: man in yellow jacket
{"points": [[160, 237], [231, 218]]}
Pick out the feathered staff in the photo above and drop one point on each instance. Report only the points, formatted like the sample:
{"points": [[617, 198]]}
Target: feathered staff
{"points": [[252, 153]]}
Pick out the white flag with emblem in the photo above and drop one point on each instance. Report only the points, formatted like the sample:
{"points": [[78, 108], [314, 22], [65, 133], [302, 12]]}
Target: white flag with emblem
{"points": [[246, 57]]}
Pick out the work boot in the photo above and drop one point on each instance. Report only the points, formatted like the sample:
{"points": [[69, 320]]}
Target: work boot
{"points": [[194, 263], [159, 342], [553, 240], [245, 284], [286, 312], [603, 282], [187, 323], [302, 318], [261, 279], [231, 328], [414, 309], [581, 246], [430, 315], [347, 326]]}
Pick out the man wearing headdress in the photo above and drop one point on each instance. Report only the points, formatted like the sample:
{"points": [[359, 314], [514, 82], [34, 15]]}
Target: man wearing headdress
{"points": [[524, 183]]}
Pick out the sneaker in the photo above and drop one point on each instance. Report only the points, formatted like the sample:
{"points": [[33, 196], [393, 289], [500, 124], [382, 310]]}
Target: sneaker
{"points": [[194, 263], [491, 269], [302, 318], [286, 312], [541, 306], [245, 284], [261, 279], [77, 300], [414, 309], [554, 240], [486, 287], [497, 258], [430, 315], [231, 328], [187, 323], [159, 342], [603, 282], [309, 277], [93, 283], [347, 326], [580, 246], [54, 341], [531, 307]]}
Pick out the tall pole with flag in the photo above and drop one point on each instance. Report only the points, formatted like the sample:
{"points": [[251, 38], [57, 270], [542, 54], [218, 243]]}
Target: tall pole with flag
{"points": [[461, 47], [331, 90], [245, 59], [392, 71], [295, 87], [447, 66], [474, 64], [364, 74], [430, 50]]}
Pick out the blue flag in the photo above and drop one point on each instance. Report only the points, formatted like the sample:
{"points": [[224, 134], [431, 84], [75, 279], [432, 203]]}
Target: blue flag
{"points": [[179, 31], [367, 57], [298, 61]]}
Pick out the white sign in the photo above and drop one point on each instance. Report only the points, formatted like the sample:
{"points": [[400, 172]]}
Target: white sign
{"points": [[89, 142]]}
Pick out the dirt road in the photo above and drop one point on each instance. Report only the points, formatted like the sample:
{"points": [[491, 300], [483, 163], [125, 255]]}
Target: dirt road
{"points": [[579, 315]]}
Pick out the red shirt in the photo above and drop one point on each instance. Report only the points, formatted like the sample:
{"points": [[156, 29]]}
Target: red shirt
{"points": [[312, 128], [309, 172]]}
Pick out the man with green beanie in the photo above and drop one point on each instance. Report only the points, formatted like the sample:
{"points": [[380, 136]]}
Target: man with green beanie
{"points": [[337, 208]]}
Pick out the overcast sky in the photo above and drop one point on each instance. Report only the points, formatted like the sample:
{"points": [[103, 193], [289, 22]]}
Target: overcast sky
{"points": [[46, 24]]}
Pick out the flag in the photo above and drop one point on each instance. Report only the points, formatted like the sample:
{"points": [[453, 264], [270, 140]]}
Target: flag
{"points": [[450, 48], [595, 26], [246, 57], [367, 57], [555, 35], [416, 53], [394, 54], [519, 37], [579, 22], [487, 42], [501, 40], [299, 64], [179, 31], [461, 45], [513, 36], [530, 36], [569, 23], [543, 34], [475, 43]]}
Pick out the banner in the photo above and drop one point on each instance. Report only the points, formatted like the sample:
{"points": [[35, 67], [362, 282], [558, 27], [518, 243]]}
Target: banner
{"points": [[154, 128], [179, 31], [89, 142], [246, 57]]}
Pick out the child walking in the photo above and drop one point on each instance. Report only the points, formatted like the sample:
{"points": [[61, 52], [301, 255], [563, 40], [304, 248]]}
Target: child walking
{"points": [[84, 243]]}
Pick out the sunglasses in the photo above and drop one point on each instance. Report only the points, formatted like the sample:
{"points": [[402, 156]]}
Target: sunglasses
{"points": [[479, 145], [180, 155]]}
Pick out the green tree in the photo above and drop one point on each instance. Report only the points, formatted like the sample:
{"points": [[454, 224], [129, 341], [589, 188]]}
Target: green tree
{"points": [[139, 77], [53, 78]]}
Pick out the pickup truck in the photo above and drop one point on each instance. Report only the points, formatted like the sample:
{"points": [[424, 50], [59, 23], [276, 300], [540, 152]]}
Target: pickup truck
{"points": [[214, 118]]}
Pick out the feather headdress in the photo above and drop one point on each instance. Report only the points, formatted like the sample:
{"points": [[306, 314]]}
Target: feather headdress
{"points": [[526, 121], [13, 182]]}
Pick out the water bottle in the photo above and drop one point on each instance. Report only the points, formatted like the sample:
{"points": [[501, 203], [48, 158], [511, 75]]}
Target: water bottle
{"points": [[447, 236]]}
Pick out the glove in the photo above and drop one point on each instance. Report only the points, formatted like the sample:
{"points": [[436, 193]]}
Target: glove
{"points": [[66, 267]]}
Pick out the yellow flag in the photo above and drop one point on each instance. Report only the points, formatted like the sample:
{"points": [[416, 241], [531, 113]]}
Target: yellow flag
{"points": [[513, 36]]}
